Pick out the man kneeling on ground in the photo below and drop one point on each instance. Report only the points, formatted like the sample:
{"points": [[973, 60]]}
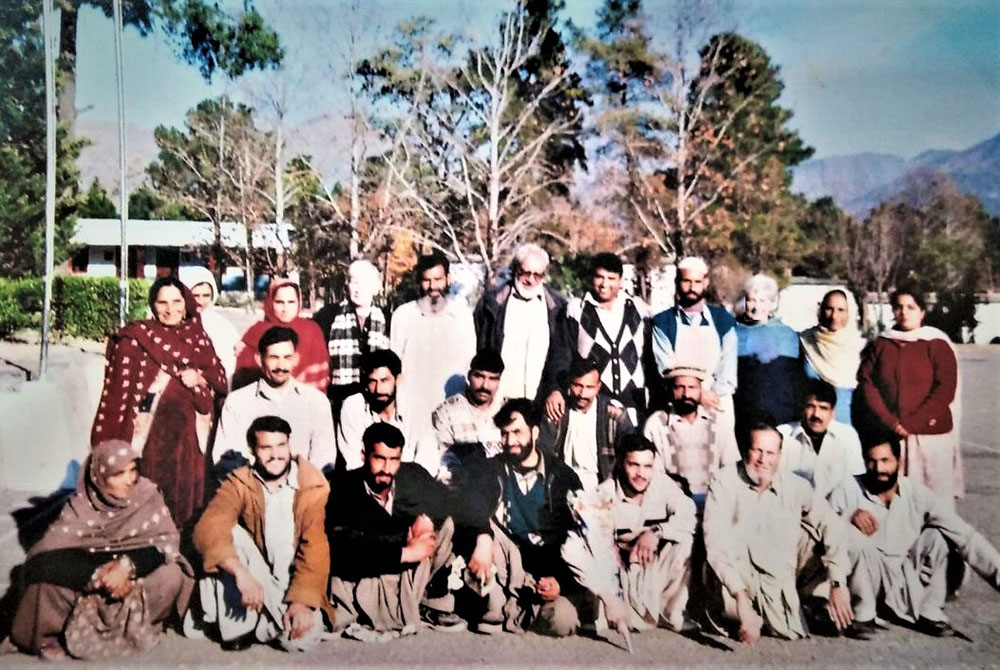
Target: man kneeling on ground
{"points": [[391, 533], [261, 539]]}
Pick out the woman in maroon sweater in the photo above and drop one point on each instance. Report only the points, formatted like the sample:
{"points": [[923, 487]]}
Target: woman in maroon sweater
{"points": [[907, 386]]}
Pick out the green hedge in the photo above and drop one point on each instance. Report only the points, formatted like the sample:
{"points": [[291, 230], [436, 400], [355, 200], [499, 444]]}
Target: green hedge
{"points": [[81, 306]]}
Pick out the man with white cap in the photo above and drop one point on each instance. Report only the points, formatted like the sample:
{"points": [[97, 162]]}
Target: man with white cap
{"points": [[695, 334], [690, 441]]}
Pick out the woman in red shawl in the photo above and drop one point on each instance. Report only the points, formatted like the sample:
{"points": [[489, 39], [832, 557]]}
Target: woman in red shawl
{"points": [[107, 572], [281, 308], [160, 384]]}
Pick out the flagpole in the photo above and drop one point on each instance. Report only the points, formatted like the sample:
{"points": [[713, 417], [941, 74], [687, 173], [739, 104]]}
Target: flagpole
{"points": [[122, 166], [48, 34]]}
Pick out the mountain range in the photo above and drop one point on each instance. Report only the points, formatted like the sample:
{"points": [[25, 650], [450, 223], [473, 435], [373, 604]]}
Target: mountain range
{"points": [[859, 182]]}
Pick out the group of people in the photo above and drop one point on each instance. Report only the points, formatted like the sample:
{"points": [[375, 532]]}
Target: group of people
{"points": [[537, 463]]}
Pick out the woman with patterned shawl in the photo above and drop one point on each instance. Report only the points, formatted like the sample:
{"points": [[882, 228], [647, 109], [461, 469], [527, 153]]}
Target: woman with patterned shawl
{"points": [[281, 308], [831, 350], [160, 385], [107, 572]]}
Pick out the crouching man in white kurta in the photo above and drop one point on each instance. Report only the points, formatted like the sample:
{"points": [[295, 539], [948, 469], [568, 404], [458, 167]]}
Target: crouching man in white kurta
{"points": [[636, 558]]}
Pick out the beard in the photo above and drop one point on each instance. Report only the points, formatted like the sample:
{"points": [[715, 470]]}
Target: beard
{"points": [[875, 485], [689, 298], [685, 406], [528, 293], [517, 459], [269, 476], [377, 404], [379, 486]]}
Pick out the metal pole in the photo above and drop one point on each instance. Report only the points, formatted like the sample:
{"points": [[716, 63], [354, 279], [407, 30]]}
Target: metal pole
{"points": [[48, 34], [122, 175]]}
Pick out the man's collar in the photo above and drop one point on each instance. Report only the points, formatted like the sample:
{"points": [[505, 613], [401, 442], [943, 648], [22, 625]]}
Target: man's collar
{"points": [[291, 481], [265, 390]]}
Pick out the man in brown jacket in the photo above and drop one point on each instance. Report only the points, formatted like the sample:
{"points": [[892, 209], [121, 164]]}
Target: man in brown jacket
{"points": [[264, 547]]}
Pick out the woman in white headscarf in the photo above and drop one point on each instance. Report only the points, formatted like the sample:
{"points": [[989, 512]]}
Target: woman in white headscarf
{"points": [[831, 350], [219, 329]]}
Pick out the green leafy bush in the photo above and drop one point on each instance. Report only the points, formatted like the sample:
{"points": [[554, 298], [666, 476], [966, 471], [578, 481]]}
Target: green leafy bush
{"points": [[81, 306]]}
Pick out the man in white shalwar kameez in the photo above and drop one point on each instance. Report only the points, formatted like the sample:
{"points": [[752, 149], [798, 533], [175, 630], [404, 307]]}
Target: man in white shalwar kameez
{"points": [[752, 526], [643, 580], [901, 532]]}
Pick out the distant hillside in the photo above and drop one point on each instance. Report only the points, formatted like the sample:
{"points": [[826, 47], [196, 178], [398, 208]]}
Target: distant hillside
{"points": [[861, 181]]}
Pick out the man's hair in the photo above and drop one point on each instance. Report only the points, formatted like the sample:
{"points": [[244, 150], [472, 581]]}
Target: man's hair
{"points": [[528, 249], [820, 389], [579, 367], [872, 439], [277, 335], [365, 269], [380, 358], [266, 424], [607, 261], [633, 442], [382, 433], [693, 263], [524, 407], [918, 296], [431, 260], [760, 421], [487, 360]]}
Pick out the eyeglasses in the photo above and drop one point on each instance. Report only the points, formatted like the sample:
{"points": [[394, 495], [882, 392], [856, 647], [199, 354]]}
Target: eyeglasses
{"points": [[524, 274]]}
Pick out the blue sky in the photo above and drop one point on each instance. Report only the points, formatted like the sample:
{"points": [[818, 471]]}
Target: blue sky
{"points": [[887, 76]]}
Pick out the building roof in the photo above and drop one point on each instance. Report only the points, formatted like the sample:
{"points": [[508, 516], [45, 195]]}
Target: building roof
{"points": [[107, 233]]}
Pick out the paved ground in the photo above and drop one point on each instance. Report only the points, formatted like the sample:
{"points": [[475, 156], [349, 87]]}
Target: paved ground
{"points": [[976, 613]]}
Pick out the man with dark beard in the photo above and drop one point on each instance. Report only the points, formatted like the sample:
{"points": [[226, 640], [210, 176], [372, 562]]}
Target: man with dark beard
{"points": [[690, 443], [522, 496], [694, 334], [901, 533], [390, 529], [377, 402], [435, 338], [263, 548]]}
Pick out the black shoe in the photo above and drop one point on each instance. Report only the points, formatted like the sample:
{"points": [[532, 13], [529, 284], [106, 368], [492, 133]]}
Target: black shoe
{"points": [[240, 643], [447, 622], [935, 628], [862, 630]]}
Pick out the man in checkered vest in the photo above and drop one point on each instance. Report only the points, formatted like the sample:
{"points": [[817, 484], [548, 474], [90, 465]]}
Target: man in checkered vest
{"points": [[609, 327]]}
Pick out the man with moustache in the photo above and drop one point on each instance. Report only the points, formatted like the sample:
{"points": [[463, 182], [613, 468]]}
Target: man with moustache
{"points": [[463, 424], [584, 438], [521, 495], [694, 334], [277, 393], [378, 402], [691, 443], [818, 448], [390, 530], [902, 533], [518, 319], [752, 529], [611, 328], [435, 338], [653, 525], [263, 547]]}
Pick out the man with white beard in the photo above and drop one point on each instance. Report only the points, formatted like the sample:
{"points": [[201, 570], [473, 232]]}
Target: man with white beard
{"points": [[517, 319], [753, 518]]}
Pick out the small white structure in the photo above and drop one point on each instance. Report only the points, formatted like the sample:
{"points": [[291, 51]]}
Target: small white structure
{"points": [[162, 247]]}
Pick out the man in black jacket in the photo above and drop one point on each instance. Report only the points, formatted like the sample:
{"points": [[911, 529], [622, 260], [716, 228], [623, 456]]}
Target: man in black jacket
{"points": [[518, 319], [523, 495], [584, 438], [391, 534]]}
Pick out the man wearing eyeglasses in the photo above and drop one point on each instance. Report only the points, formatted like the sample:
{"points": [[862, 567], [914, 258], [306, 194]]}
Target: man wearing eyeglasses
{"points": [[517, 319]]}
